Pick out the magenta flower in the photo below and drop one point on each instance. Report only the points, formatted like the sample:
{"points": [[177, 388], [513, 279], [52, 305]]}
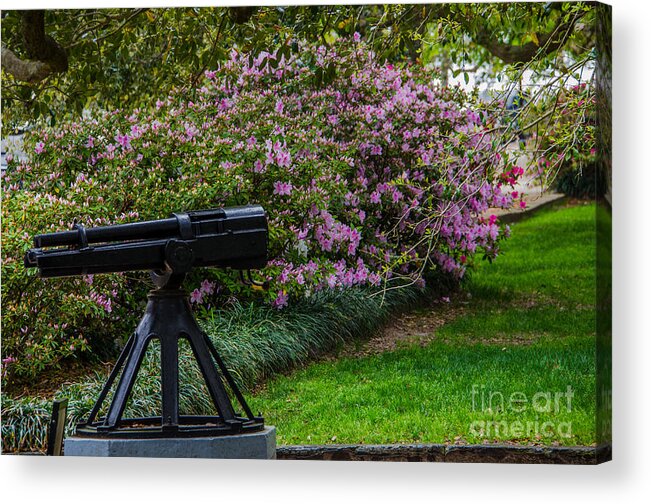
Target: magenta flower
{"points": [[40, 147], [196, 296], [269, 158], [281, 300], [283, 159], [283, 188], [123, 140], [207, 287]]}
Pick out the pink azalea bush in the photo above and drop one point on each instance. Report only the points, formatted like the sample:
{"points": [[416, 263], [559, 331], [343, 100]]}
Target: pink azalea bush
{"points": [[370, 174]]}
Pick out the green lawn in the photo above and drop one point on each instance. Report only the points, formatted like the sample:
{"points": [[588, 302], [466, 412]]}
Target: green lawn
{"points": [[519, 366]]}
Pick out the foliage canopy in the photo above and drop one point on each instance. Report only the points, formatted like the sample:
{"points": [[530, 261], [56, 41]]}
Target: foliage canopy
{"points": [[58, 62]]}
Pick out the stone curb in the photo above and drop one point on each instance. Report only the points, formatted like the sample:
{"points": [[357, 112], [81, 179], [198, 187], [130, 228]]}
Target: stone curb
{"points": [[504, 454]]}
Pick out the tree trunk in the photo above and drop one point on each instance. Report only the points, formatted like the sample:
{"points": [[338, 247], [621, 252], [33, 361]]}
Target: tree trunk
{"points": [[46, 55]]}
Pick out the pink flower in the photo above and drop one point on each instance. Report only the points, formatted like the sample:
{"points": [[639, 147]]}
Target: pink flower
{"points": [[40, 147], [190, 132], [357, 37], [283, 188], [523, 204], [123, 140], [283, 159], [374, 279], [279, 107], [207, 287], [376, 150], [196, 296], [281, 300]]}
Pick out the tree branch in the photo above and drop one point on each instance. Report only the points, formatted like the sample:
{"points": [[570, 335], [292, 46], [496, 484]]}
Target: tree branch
{"points": [[547, 43], [46, 55]]}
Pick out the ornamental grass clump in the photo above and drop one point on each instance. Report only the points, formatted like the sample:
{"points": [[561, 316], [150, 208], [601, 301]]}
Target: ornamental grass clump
{"points": [[371, 176]]}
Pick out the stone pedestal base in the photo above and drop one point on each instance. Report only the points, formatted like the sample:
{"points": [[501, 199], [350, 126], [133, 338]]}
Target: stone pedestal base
{"points": [[256, 445]]}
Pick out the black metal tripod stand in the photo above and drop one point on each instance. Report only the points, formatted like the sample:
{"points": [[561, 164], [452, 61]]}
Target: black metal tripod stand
{"points": [[168, 318]]}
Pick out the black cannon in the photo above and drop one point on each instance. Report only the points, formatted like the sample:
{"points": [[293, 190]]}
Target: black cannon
{"points": [[224, 238]]}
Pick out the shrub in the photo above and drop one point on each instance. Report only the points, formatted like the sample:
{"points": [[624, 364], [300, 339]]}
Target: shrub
{"points": [[370, 175]]}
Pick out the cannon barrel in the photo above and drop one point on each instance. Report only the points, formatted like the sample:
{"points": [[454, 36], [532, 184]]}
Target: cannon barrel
{"points": [[233, 237], [163, 228], [201, 220]]}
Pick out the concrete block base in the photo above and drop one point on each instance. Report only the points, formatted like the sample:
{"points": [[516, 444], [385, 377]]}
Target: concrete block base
{"points": [[256, 445]]}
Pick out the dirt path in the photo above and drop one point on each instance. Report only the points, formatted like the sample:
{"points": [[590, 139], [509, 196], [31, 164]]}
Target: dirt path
{"points": [[418, 327]]}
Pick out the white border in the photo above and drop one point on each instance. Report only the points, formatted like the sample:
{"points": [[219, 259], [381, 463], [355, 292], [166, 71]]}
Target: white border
{"points": [[41, 479]]}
